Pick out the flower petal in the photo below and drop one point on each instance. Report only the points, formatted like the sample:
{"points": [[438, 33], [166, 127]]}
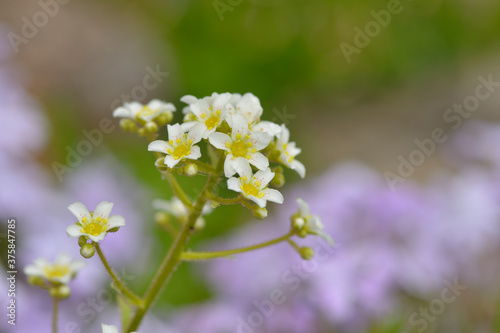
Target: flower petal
{"points": [[239, 125], [284, 136], [175, 132], [260, 140], [74, 231], [261, 202], [195, 153], [189, 99], [220, 140], [170, 161], [159, 146], [115, 221], [229, 169], [80, 211], [299, 168], [109, 329], [97, 238], [196, 132], [249, 106], [103, 209], [273, 195], [259, 161], [122, 112], [242, 167], [234, 184], [303, 207], [267, 127], [264, 177]]}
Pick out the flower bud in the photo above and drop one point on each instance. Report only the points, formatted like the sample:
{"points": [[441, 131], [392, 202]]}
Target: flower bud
{"points": [[164, 118], [162, 218], [189, 117], [160, 164], [214, 204], [128, 125], [298, 222], [87, 251], [35, 280], [306, 253], [151, 127], [191, 169], [61, 291], [259, 213], [199, 224], [142, 131], [82, 240], [278, 180]]}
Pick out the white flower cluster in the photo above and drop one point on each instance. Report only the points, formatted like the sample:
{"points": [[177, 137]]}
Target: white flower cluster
{"points": [[231, 123]]}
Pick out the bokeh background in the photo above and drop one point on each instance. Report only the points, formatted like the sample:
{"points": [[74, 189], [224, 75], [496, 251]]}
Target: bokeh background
{"points": [[398, 247]]}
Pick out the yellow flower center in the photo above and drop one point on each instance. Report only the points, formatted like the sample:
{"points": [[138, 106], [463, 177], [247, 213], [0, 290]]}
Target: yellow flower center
{"points": [[250, 189], [145, 111], [94, 228], [56, 271], [180, 151], [239, 148], [212, 122]]}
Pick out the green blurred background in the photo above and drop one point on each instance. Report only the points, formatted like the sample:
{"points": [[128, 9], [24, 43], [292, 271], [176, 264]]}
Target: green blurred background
{"points": [[286, 52]]}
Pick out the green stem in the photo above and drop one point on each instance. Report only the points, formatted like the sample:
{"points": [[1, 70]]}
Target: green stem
{"points": [[55, 311], [177, 189], [173, 257], [130, 295], [193, 256], [224, 201]]}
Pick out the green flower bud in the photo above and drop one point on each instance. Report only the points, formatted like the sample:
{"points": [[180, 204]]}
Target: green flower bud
{"points": [[36, 281], [61, 291], [278, 180], [164, 118], [189, 117], [191, 169], [199, 224], [142, 131], [128, 125], [259, 213], [87, 251], [82, 240], [160, 164], [162, 218], [306, 253], [151, 127]]}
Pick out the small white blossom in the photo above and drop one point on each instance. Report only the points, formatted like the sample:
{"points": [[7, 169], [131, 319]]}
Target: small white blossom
{"points": [[242, 146], [288, 151], [309, 224], [146, 113], [110, 329], [254, 187], [94, 225], [268, 127], [61, 271], [180, 144], [180, 211], [210, 111], [247, 105]]}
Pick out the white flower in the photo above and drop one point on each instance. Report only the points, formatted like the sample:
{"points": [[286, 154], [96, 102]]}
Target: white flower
{"points": [[61, 271], [147, 113], [180, 211], [268, 127], [242, 146], [288, 151], [94, 225], [110, 329], [247, 105], [254, 187], [209, 111], [309, 224], [180, 144]]}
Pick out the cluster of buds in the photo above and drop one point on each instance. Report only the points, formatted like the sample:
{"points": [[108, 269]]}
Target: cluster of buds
{"points": [[144, 119]]}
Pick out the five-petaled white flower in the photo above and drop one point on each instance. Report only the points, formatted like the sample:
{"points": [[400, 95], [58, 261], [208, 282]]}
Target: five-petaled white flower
{"points": [[61, 271], [242, 146], [180, 144], [180, 211], [288, 151], [210, 111], [254, 187], [146, 113], [247, 105], [306, 223], [110, 329], [94, 225]]}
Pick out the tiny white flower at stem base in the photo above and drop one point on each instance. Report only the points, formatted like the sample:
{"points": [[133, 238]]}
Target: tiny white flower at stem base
{"points": [[243, 145], [304, 223], [93, 225], [110, 329], [61, 271], [254, 187], [288, 151], [180, 145]]}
